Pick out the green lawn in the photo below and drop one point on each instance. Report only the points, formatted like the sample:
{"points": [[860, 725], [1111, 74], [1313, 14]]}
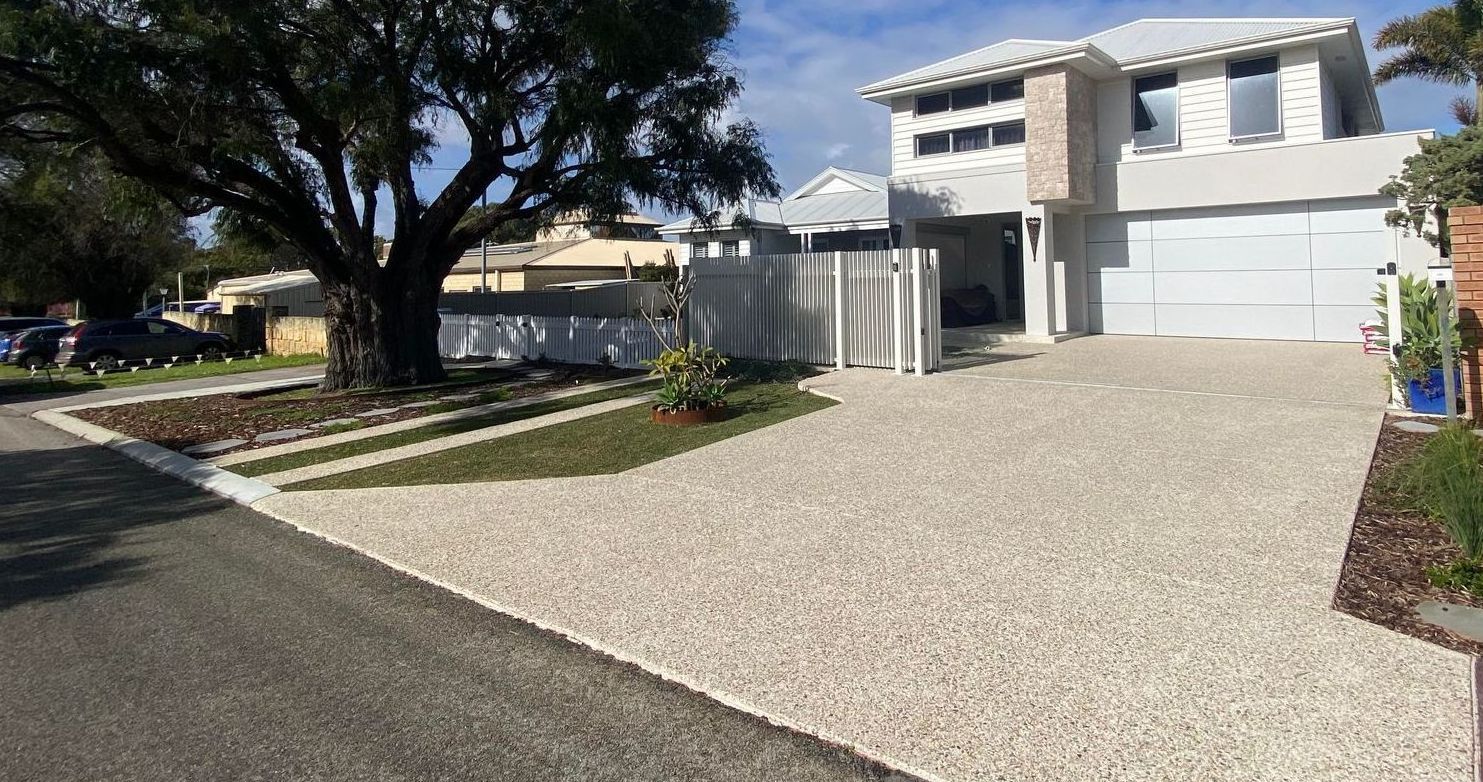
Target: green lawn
{"points": [[432, 432], [603, 444], [76, 381]]}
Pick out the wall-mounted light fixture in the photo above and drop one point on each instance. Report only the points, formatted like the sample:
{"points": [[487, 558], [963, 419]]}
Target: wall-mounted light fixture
{"points": [[1032, 227]]}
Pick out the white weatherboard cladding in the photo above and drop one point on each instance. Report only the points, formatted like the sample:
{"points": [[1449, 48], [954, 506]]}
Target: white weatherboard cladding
{"points": [[906, 126], [1299, 271]]}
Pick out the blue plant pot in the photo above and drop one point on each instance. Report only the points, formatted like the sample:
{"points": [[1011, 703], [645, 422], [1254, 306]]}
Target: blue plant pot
{"points": [[1429, 396]]}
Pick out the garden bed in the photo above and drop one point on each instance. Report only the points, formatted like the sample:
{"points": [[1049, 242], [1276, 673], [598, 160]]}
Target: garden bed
{"points": [[1393, 543], [179, 424]]}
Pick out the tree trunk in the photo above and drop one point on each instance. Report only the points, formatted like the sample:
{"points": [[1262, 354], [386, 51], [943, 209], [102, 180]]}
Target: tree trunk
{"points": [[383, 334]]}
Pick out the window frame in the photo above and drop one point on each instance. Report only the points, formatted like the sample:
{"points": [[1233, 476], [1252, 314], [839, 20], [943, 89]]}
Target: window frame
{"points": [[952, 139], [734, 245], [1133, 111], [988, 87], [1231, 105], [875, 245], [705, 249]]}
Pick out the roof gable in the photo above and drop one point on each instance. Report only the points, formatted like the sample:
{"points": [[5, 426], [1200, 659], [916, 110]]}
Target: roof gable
{"points": [[839, 180]]}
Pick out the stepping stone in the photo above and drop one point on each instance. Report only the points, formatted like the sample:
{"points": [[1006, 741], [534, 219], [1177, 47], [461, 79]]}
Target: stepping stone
{"points": [[1463, 620], [335, 422], [206, 449], [1417, 427], [282, 434], [460, 398], [420, 405], [380, 411]]}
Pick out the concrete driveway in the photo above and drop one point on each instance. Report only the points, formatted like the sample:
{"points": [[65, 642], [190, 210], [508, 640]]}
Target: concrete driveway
{"points": [[1005, 572]]}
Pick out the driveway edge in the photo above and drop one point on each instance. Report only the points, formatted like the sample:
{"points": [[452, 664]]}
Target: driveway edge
{"points": [[724, 698], [234, 487]]}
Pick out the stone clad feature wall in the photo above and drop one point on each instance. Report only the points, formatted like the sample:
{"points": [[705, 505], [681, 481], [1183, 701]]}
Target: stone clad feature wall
{"points": [[295, 336], [1060, 135], [1466, 224]]}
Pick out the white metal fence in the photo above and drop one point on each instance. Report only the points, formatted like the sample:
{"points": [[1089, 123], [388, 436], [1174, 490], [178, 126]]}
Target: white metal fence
{"points": [[606, 301], [626, 342], [874, 309]]}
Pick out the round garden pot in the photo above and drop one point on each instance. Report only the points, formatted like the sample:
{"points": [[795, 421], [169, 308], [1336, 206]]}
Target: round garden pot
{"points": [[687, 417]]}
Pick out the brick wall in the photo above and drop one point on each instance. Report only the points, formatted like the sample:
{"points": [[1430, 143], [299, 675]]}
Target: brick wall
{"points": [[1466, 224]]}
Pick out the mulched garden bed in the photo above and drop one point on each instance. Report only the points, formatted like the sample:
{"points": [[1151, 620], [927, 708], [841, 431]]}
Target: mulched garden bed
{"points": [[181, 423], [1384, 575]]}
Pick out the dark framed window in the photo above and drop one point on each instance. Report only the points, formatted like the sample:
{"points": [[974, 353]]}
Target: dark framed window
{"points": [[935, 144], [971, 140], [1255, 95], [1005, 135], [935, 103], [1156, 111], [970, 97], [700, 250], [730, 249], [1007, 90]]}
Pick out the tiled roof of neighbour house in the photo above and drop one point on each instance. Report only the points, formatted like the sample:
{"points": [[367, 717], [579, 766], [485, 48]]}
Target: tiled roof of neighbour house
{"points": [[861, 206], [1131, 42], [1153, 37], [594, 253]]}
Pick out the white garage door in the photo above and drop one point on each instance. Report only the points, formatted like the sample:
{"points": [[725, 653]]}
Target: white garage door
{"points": [[1300, 271]]}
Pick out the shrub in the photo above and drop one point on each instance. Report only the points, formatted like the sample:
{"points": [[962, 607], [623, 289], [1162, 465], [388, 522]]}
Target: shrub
{"points": [[769, 371], [690, 378], [1446, 480], [1421, 350]]}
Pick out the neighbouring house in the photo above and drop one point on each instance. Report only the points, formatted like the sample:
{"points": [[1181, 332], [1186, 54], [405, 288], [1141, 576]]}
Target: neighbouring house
{"points": [[572, 249], [1180, 177], [836, 210], [281, 294]]}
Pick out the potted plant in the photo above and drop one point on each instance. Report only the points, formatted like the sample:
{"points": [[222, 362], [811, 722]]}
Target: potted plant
{"points": [[691, 393], [1417, 370]]}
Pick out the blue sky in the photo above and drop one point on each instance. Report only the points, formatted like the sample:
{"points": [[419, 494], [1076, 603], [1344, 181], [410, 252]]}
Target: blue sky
{"points": [[803, 59]]}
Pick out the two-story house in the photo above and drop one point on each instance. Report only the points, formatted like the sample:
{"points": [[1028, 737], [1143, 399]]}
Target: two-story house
{"points": [[1182, 177]]}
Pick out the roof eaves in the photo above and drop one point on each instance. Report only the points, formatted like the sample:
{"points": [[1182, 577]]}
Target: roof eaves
{"points": [[1319, 26], [901, 84]]}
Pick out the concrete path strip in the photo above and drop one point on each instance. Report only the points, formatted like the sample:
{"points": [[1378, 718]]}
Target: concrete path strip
{"points": [[214, 479], [417, 423], [413, 450]]}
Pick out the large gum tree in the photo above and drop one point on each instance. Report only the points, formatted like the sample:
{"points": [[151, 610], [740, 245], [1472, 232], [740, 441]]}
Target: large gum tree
{"points": [[310, 116]]}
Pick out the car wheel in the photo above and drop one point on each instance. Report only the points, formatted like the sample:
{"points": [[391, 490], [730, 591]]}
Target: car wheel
{"points": [[211, 351], [107, 360], [33, 363]]}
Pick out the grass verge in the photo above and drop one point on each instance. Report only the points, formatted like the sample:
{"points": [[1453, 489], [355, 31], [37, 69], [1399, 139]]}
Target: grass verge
{"points": [[600, 445], [331, 453], [76, 381]]}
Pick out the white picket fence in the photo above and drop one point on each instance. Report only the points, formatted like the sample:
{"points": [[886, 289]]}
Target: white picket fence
{"points": [[626, 342]]}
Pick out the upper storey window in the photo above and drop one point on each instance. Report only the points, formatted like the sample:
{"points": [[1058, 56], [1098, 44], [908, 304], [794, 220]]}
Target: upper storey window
{"points": [[1156, 111], [973, 97], [1255, 97]]}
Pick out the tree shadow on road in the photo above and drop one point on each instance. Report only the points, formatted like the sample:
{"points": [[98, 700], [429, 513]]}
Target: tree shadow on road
{"points": [[69, 518]]}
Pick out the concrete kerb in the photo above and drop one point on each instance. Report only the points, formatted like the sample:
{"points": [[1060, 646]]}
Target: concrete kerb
{"points": [[720, 696], [417, 423], [213, 479]]}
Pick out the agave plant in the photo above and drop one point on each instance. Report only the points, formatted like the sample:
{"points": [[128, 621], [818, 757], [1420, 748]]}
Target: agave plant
{"points": [[1421, 327]]}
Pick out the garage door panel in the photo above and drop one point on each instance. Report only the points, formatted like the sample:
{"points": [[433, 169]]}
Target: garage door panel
{"points": [[1120, 256], [1236, 321], [1343, 287], [1121, 318], [1340, 324], [1120, 288], [1120, 227], [1231, 253], [1349, 215], [1268, 220], [1294, 287], [1364, 250]]}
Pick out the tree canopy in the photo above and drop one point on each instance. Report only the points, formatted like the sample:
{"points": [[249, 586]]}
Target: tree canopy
{"points": [[1447, 172], [1442, 44], [304, 115]]}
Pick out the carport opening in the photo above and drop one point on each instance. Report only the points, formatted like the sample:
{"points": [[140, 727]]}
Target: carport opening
{"points": [[982, 276]]}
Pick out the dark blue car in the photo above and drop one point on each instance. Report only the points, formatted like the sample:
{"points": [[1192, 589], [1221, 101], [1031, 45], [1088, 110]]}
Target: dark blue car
{"points": [[33, 348]]}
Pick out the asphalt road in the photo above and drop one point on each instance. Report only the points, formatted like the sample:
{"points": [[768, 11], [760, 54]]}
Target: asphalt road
{"points": [[149, 631]]}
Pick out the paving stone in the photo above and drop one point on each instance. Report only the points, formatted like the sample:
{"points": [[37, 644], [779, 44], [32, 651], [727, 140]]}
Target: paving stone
{"points": [[1419, 427], [282, 434], [460, 398], [420, 405], [334, 422], [1463, 620], [206, 449], [380, 411]]}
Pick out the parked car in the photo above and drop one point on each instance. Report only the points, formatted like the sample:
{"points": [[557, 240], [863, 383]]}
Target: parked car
{"points": [[33, 348], [11, 326], [174, 306], [109, 343]]}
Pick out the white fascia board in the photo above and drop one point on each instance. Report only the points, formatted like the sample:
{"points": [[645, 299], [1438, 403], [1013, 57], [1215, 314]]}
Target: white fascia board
{"points": [[1229, 48], [1084, 51], [852, 225], [827, 174]]}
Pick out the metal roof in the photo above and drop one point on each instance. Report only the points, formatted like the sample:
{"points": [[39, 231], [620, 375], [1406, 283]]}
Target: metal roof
{"points": [[260, 284], [1138, 40], [857, 207]]}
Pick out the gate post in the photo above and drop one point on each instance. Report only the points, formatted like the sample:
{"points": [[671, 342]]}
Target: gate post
{"points": [[919, 313], [839, 335], [898, 332]]}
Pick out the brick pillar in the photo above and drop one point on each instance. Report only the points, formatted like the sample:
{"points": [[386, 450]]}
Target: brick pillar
{"points": [[1466, 224]]}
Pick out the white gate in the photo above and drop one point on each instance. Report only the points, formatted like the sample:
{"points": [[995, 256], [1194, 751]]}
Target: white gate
{"points": [[873, 309]]}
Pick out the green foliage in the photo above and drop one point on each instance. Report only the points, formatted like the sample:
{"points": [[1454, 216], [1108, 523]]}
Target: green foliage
{"points": [[1447, 172], [1421, 348], [654, 272], [1441, 44], [690, 380], [769, 371], [1464, 576], [72, 229], [1446, 480]]}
